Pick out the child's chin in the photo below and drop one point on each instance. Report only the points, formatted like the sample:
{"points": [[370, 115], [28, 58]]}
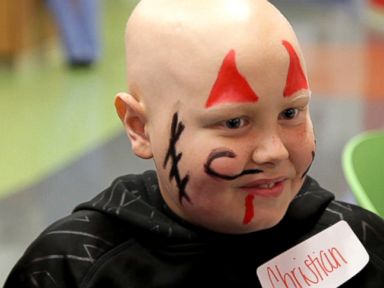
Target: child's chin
{"points": [[258, 225], [240, 228]]}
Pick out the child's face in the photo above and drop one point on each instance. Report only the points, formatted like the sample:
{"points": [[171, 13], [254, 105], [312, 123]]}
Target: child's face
{"points": [[232, 155], [222, 106]]}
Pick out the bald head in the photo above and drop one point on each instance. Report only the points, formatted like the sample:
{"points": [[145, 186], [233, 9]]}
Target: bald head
{"points": [[174, 46]]}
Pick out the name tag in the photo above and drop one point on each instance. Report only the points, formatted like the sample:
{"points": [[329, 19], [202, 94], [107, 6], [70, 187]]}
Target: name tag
{"points": [[325, 260]]}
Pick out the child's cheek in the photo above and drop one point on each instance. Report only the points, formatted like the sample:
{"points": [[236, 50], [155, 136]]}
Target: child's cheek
{"points": [[305, 156], [302, 148]]}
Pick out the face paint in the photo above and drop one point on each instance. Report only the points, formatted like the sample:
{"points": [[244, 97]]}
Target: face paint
{"points": [[230, 86], [249, 213], [219, 153], [296, 79], [309, 167], [176, 129]]}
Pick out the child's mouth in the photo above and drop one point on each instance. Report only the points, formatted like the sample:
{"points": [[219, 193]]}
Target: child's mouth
{"points": [[265, 187]]}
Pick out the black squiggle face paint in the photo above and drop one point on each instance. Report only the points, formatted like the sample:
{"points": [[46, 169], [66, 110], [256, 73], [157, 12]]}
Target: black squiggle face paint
{"points": [[176, 129], [220, 153], [309, 167]]}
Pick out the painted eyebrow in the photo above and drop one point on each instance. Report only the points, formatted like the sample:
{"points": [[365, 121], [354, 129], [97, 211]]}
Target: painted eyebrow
{"points": [[296, 79], [230, 86]]}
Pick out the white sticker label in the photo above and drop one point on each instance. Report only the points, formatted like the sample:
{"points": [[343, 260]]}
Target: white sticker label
{"points": [[325, 260]]}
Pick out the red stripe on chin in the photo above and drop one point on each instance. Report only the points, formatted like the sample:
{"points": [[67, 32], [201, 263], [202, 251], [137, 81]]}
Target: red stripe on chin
{"points": [[249, 211]]}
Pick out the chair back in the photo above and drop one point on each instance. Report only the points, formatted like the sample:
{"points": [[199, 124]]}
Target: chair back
{"points": [[363, 166]]}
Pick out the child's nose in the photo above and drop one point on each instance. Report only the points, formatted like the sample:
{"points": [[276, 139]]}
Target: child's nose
{"points": [[269, 150]]}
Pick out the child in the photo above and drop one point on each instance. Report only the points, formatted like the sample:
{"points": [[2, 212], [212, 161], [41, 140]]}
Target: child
{"points": [[218, 97]]}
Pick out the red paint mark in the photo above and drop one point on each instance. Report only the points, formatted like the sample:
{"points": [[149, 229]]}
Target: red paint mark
{"points": [[379, 3], [249, 213], [296, 79], [230, 86]]}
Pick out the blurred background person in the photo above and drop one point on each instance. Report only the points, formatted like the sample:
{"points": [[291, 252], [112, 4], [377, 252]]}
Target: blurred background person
{"points": [[79, 24]]}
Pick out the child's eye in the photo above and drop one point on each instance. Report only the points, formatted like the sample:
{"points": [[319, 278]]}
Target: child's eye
{"points": [[235, 123], [289, 113]]}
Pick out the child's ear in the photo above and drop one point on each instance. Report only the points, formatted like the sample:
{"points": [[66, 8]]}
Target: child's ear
{"points": [[132, 114]]}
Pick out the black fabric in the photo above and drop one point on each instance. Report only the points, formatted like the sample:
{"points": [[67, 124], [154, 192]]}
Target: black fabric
{"points": [[128, 237]]}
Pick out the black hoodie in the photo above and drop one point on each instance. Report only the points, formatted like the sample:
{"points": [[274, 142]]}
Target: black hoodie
{"points": [[128, 237]]}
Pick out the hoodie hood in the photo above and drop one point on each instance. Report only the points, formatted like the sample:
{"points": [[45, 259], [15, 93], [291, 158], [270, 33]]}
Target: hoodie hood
{"points": [[136, 201]]}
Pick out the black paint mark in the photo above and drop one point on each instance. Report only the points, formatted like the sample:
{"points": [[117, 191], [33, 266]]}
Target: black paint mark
{"points": [[176, 129], [309, 167], [219, 153]]}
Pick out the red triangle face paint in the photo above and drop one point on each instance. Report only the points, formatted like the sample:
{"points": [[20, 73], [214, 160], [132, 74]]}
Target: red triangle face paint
{"points": [[230, 86], [296, 79]]}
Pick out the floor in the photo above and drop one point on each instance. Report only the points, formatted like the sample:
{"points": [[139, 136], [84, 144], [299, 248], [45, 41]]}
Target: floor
{"points": [[62, 142]]}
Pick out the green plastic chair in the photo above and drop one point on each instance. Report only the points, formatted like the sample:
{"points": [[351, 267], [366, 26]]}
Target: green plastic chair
{"points": [[363, 166]]}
